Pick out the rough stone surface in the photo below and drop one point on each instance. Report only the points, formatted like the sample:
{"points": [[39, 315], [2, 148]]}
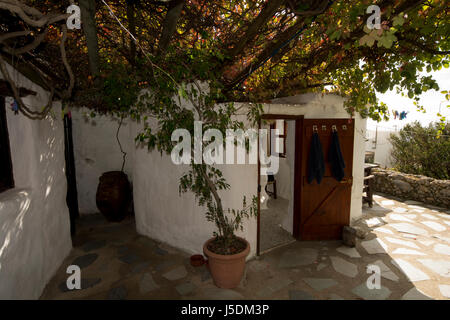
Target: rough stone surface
{"points": [[385, 271], [445, 290], [335, 296], [371, 294], [309, 269], [140, 267], [295, 258], [441, 267], [402, 242], [408, 228], [321, 266], [344, 267], [350, 234], [85, 261], [374, 246], [348, 237], [442, 249], [221, 294], [400, 209], [94, 245], [206, 275], [434, 225], [118, 293], [426, 242], [374, 222], [299, 295], [350, 252], [415, 294], [86, 283], [272, 286], [399, 217], [161, 251], [164, 265], [408, 251], [185, 288], [129, 258], [319, 284], [415, 187], [176, 274], [383, 230], [147, 284], [410, 271], [429, 216]]}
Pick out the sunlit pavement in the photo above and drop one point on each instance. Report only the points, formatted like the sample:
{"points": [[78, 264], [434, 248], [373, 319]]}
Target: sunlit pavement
{"points": [[407, 240]]}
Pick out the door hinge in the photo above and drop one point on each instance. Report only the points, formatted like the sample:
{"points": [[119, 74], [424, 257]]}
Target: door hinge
{"points": [[259, 188], [348, 181]]}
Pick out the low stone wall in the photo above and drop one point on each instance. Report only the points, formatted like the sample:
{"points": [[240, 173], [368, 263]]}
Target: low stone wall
{"points": [[412, 187]]}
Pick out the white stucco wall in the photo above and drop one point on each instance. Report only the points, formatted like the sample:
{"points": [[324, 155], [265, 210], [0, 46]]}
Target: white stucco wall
{"points": [[161, 213], [34, 218], [96, 151], [284, 176], [378, 142]]}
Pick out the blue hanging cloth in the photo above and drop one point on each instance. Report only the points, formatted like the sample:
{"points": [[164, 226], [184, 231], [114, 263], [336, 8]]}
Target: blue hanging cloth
{"points": [[403, 115], [15, 107], [316, 162], [336, 158]]}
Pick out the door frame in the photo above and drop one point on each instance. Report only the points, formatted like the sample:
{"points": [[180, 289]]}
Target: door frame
{"points": [[297, 171], [301, 178]]}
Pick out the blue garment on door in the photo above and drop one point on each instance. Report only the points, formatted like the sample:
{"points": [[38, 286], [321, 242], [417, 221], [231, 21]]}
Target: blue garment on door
{"points": [[316, 162], [335, 158]]}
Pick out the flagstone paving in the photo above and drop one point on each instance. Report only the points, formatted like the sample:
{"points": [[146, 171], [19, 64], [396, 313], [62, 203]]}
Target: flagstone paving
{"points": [[408, 241]]}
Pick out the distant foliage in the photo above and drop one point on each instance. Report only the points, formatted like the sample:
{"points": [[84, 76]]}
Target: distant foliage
{"points": [[422, 150]]}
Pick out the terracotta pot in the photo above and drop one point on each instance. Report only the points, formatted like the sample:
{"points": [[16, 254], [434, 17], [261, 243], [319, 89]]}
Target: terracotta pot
{"points": [[226, 270], [197, 260], [113, 195]]}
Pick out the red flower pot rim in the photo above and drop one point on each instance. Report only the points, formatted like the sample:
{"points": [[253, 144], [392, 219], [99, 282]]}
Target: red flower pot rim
{"points": [[197, 260]]}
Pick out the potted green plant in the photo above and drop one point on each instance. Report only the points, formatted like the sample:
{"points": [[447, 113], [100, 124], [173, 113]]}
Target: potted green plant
{"points": [[168, 105], [226, 251]]}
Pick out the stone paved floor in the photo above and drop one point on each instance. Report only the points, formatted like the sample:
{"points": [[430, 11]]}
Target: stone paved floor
{"points": [[409, 241], [272, 234]]}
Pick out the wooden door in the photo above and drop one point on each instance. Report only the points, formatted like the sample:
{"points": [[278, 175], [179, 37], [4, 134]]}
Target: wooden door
{"points": [[325, 207]]}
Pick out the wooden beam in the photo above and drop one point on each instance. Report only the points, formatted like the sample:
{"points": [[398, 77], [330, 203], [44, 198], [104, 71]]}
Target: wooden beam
{"points": [[6, 91]]}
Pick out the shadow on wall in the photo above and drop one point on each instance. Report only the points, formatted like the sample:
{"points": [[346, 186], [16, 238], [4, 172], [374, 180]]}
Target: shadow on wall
{"points": [[13, 203], [34, 219]]}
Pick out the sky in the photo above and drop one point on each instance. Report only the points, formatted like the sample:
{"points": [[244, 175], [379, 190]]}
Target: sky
{"points": [[430, 100]]}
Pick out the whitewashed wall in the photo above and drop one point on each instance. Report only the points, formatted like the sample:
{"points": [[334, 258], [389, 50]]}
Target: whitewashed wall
{"points": [[378, 142], [163, 214], [96, 151], [34, 218], [285, 176]]}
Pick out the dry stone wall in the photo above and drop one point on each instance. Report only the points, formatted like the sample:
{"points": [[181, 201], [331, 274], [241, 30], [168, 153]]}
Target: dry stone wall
{"points": [[412, 187]]}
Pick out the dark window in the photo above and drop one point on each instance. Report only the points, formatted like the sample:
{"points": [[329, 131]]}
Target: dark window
{"points": [[6, 174], [282, 126]]}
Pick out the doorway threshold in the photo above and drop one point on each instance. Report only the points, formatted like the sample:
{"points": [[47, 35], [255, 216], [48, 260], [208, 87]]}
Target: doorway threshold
{"points": [[277, 247]]}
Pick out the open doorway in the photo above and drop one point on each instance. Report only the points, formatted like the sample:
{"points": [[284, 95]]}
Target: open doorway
{"points": [[277, 188], [291, 207]]}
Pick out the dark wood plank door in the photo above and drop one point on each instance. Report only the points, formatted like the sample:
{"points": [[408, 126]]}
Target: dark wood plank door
{"points": [[325, 207]]}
